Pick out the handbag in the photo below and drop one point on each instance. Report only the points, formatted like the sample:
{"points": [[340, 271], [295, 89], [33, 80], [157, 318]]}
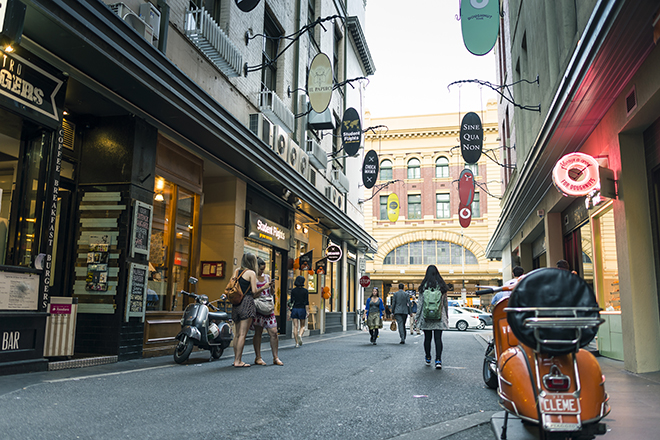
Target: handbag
{"points": [[264, 305], [233, 290], [393, 326]]}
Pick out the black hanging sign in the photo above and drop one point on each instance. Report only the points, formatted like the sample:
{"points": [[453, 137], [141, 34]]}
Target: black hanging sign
{"points": [[333, 253], [351, 131], [247, 5], [370, 169], [472, 138]]}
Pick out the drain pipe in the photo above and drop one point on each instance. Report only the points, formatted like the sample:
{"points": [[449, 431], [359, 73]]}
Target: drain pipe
{"points": [[164, 24]]}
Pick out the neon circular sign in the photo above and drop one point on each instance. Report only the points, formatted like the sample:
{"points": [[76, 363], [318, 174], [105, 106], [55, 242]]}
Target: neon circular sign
{"points": [[576, 174]]}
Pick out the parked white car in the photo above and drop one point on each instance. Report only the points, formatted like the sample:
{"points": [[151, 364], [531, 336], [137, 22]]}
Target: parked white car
{"points": [[462, 319]]}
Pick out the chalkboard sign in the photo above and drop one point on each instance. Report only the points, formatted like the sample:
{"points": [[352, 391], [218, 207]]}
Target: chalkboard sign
{"points": [[136, 293], [142, 214]]}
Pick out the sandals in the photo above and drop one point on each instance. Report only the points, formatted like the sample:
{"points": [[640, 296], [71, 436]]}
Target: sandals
{"points": [[259, 361], [243, 365], [276, 361]]}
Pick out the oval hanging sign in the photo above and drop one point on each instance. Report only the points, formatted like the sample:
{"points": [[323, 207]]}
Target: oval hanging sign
{"points": [[472, 137], [370, 169], [393, 207], [576, 174], [319, 83], [480, 23], [351, 131], [247, 5], [466, 187], [464, 215]]}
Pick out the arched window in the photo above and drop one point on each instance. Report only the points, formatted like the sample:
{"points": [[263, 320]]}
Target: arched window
{"points": [[386, 170], [414, 172], [430, 252], [442, 167]]}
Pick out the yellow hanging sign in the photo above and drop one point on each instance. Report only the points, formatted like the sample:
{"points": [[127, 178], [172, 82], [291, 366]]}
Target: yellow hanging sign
{"points": [[393, 207]]}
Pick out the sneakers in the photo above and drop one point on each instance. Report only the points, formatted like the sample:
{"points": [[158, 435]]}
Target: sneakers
{"points": [[428, 362], [438, 365]]}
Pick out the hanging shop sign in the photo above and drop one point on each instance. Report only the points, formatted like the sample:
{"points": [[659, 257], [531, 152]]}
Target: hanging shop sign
{"points": [[333, 253], [480, 24], [351, 131], [472, 137], [247, 5], [576, 174], [370, 169], [26, 82], [466, 187], [266, 231], [321, 266], [464, 215], [319, 83], [305, 261], [393, 207]]}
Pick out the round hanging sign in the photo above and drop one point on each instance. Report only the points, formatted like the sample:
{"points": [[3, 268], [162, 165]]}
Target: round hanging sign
{"points": [[319, 83], [333, 253], [576, 174], [365, 281], [464, 215], [247, 5], [466, 187], [351, 131], [393, 207], [480, 24], [370, 169], [472, 137]]}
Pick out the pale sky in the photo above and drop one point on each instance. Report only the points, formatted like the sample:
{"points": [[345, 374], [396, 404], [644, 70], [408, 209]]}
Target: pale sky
{"points": [[418, 49]]}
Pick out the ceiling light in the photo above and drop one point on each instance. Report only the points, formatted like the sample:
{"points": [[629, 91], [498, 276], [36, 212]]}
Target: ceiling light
{"points": [[159, 197], [305, 230], [9, 49], [298, 226]]}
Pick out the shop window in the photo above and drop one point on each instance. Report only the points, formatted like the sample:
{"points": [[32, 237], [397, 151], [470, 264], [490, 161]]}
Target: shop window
{"points": [[430, 252], [172, 238], [414, 207], [414, 170], [442, 167], [383, 207], [386, 170]]}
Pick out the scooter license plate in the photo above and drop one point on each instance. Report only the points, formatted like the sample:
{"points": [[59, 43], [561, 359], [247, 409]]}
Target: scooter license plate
{"points": [[559, 404]]}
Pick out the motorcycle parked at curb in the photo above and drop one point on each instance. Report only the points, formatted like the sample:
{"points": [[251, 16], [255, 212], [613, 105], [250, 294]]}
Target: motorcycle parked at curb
{"points": [[203, 328], [536, 360]]}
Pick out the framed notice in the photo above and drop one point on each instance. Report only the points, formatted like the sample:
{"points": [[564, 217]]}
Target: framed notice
{"points": [[141, 237], [213, 269], [19, 291], [136, 294]]}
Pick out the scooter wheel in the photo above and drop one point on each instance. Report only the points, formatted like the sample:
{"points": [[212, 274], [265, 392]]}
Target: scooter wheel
{"points": [[216, 352], [490, 378], [183, 350]]}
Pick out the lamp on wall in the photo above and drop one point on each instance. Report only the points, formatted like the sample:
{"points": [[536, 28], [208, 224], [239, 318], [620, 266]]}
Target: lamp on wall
{"points": [[298, 226], [159, 197]]}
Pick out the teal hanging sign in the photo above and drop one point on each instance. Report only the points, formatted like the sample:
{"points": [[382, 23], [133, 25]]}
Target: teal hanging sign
{"points": [[480, 23]]}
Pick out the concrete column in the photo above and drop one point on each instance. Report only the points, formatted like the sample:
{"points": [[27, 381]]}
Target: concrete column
{"points": [[637, 278], [554, 239], [344, 285]]}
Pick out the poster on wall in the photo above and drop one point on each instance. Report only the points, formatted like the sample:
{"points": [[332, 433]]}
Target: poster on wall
{"points": [[141, 240], [136, 293], [19, 291], [97, 264]]}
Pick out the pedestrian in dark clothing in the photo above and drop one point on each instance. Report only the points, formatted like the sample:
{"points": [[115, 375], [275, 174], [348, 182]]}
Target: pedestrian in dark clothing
{"points": [[375, 309], [300, 309], [433, 327], [401, 310]]}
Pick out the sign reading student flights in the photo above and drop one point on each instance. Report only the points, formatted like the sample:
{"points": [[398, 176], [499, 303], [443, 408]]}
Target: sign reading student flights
{"points": [[319, 83], [370, 169], [472, 138], [480, 23], [393, 207], [351, 131], [576, 174]]}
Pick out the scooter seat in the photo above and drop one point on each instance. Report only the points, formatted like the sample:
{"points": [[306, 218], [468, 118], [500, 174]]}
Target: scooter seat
{"points": [[567, 295], [219, 316]]}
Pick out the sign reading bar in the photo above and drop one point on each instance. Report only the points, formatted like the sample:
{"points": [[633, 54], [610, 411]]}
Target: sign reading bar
{"points": [[142, 213], [319, 83], [136, 294], [480, 24], [351, 131], [472, 138], [266, 231], [370, 169], [576, 174]]}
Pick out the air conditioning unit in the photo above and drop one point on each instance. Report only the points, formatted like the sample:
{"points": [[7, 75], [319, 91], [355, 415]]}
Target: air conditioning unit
{"points": [[151, 15], [332, 194], [281, 142], [317, 155], [293, 155], [130, 17], [340, 180], [262, 127], [303, 165], [340, 201]]}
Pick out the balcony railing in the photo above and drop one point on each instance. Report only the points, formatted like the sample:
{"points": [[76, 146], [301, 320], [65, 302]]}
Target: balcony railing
{"points": [[205, 33], [272, 106]]}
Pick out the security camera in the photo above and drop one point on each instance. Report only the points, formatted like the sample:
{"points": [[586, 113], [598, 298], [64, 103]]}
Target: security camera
{"points": [[540, 213]]}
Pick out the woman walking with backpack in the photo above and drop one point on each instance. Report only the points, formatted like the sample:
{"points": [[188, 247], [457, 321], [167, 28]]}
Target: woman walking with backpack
{"points": [[432, 313]]}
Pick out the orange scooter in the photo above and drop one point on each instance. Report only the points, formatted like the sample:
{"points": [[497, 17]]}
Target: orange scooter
{"points": [[544, 376]]}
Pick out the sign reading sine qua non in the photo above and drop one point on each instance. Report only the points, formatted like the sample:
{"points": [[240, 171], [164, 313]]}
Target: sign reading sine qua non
{"points": [[472, 137]]}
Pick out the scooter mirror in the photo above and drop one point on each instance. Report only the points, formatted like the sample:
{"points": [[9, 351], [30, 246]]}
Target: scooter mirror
{"points": [[192, 280]]}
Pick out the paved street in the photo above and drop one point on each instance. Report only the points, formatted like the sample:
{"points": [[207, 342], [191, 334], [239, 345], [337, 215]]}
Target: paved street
{"points": [[335, 386]]}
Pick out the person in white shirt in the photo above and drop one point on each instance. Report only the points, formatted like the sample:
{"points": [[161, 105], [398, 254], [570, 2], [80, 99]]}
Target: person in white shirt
{"points": [[517, 273]]}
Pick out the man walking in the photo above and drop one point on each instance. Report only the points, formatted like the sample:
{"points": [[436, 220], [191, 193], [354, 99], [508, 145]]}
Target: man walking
{"points": [[401, 310]]}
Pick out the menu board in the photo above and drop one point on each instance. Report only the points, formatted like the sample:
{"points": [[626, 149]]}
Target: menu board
{"points": [[19, 291], [136, 294], [141, 240]]}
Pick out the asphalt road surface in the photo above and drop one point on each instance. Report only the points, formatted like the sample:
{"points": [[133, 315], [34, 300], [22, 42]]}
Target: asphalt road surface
{"points": [[336, 386]]}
